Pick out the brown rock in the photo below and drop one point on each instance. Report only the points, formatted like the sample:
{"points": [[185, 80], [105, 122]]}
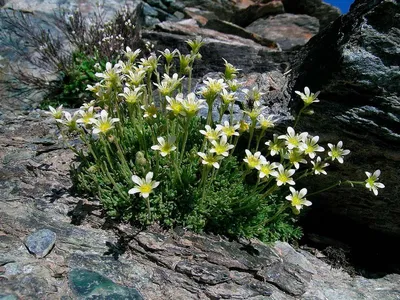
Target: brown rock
{"points": [[287, 30], [246, 16]]}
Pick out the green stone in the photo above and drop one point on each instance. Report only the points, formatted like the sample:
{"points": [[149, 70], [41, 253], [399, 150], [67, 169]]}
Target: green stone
{"points": [[8, 297], [92, 285]]}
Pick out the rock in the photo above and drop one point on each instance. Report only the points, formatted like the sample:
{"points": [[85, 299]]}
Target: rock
{"points": [[223, 9], [324, 12], [230, 28], [8, 297], [289, 31], [355, 64], [217, 46], [41, 242], [143, 263], [201, 16], [246, 16], [89, 285]]}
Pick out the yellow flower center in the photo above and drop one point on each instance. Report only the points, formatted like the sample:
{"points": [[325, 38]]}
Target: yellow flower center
{"points": [[176, 107], [145, 188], [296, 201], [229, 131], [266, 170], [253, 162], [104, 127], [283, 178], [293, 140], [335, 153], [219, 149]]}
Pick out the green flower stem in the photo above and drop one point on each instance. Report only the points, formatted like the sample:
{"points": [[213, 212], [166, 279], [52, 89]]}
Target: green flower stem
{"points": [[298, 116], [231, 113], [185, 137], [189, 89], [327, 188], [124, 195], [276, 215], [121, 155], [251, 132], [259, 139], [177, 171], [205, 185], [149, 89], [270, 190], [157, 163], [149, 217], [209, 113], [105, 147], [222, 108]]}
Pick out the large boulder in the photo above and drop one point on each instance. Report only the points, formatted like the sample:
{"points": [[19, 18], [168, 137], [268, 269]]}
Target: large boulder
{"points": [[324, 12], [355, 65], [244, 53], [288, 30]]}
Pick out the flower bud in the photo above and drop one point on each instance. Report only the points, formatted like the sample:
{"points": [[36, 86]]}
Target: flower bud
{"points": [[140, 160], [309, 112]]}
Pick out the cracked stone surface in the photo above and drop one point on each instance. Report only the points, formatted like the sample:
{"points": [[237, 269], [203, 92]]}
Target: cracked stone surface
{"points": [[35, 194]]}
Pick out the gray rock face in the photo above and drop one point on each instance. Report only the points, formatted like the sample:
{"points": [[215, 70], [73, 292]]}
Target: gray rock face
{"points": [[41, 242], [91, 262], [287, 30], [249, 55], [355, 64]]}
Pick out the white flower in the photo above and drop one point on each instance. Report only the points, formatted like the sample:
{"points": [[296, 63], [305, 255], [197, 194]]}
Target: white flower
{"points": [[266, 123], [221, 147], [295, 157], [337, 152], [266, 168], [210, 159], [70, 120], [150, 111], [308, 97], [192, 105], [227, 129], [104, 123], [175, 105], [275, 145], [86, 116], [371, 182], [55, 112], [143, 186], [131, 96], [310, 146], [283, 176], [297, 198], [165, 147], [293, 140], [253, 95], [227, 97], [211, 134], [254, 160], [318, 166]]}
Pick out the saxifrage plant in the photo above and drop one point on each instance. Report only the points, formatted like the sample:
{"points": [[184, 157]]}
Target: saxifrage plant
{"points": [[150, 157]]}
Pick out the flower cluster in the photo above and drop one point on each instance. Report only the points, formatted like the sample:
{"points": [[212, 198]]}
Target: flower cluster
{"points": [[137, 129]]}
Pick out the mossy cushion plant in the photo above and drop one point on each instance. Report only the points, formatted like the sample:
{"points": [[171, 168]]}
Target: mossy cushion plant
{"points": [[149, 157]]}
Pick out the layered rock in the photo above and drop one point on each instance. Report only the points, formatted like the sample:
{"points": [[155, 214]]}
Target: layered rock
{"points": [[355, 64], [289, 31], [95, 258]]}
